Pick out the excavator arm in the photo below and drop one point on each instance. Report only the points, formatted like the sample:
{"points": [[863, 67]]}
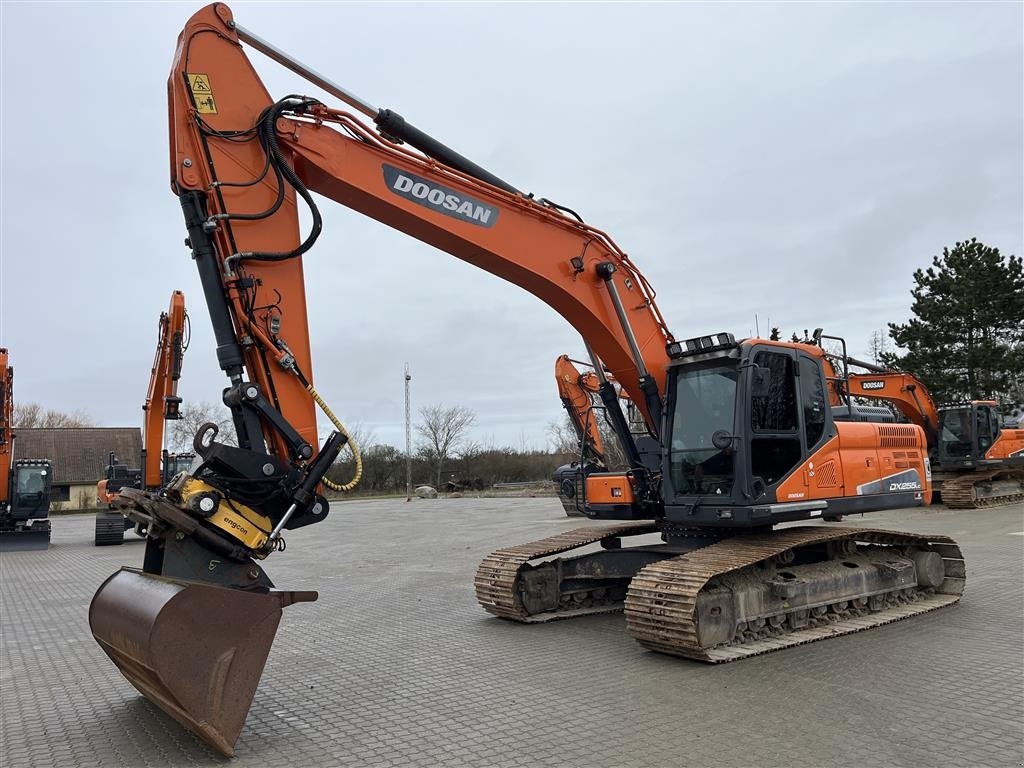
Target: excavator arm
{"points": [[162, 401]]}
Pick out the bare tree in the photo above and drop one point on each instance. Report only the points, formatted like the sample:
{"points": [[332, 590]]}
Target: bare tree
{"points": [[34, 416], [194, 416], [562, 437], [442, 432], [878, 347]]}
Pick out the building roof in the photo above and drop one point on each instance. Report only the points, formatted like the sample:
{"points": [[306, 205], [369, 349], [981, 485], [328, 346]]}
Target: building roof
{"points": [[79, 454]]}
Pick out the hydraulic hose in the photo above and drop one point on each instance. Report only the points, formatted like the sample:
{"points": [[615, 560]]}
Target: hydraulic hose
{"points": [[351, 444]]}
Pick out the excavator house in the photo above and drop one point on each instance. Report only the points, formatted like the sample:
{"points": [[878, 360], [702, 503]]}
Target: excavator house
{"points": [[740, 435]]}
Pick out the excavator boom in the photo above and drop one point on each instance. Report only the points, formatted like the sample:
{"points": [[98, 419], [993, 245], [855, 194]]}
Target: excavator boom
{"points": [[162, 401]]}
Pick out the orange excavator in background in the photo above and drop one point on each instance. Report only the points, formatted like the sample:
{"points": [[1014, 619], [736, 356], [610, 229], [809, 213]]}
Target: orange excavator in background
{"points": [[157, 466], [588, 480], [975, 460], [24, 483], [743, 430]]}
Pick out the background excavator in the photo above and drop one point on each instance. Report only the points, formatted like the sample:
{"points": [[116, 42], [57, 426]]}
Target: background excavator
{"points": [[743, 430], [24, 483], [157, 466], [588, 479], [975, 460]]}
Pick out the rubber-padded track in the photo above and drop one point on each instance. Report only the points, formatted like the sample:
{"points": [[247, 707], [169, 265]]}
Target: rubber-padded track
{"points": [[661, 601], [496, 577]]}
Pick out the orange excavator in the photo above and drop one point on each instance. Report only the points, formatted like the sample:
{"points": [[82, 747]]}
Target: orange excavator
{"points": [[743, 429], [24, 483], [162, 404], [587, 480], [975, 460]]}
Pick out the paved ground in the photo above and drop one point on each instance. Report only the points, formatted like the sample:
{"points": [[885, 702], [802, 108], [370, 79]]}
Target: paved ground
{"points": [[397, 665]]}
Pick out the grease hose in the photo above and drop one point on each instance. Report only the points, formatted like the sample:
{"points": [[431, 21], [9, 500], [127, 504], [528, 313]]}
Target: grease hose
{"points": [[351, 444]]}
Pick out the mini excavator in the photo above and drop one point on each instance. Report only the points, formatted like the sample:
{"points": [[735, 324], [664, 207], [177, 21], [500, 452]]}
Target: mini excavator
{"points": [[742, 432], [157, 466]]}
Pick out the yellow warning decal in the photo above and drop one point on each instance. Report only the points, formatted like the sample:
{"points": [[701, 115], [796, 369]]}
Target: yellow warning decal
{"points": [[202, 93]]}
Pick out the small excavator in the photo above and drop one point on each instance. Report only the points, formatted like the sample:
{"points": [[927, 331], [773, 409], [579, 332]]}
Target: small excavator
{"points": [[157, 466], [742, 430], [24, 483]]}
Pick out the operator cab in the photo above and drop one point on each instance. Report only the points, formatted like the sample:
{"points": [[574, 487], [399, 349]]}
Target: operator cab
{"points": [[741, 418], [966, 433], [175, 463], [30, 489]]}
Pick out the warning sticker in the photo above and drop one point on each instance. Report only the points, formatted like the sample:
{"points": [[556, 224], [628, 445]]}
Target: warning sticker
{"points": [[200, 83], [202, 93]]}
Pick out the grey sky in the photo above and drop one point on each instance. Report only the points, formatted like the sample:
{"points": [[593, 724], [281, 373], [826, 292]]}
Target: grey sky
{"points": [[794, 161]]}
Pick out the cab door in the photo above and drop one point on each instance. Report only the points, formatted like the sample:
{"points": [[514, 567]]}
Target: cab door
{"points": [[776, 436]]}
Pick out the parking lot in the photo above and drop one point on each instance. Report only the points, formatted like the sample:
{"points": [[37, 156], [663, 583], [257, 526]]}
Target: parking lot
{"points": [[396, 664]]}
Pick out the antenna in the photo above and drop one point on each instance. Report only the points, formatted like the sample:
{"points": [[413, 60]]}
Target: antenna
{"points": [[408, 438]]}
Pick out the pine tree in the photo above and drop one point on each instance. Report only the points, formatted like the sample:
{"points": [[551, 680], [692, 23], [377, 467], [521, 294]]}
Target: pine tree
{"points": [[966, 339]]}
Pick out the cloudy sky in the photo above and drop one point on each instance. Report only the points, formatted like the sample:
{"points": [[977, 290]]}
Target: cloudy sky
{"points": [[795, 162]]}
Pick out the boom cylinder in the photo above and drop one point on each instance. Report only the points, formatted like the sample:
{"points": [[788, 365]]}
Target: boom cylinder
{"points": [[652, 398]]}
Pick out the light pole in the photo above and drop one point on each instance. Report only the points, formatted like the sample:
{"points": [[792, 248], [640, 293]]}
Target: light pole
{"points": [[408, 438]]}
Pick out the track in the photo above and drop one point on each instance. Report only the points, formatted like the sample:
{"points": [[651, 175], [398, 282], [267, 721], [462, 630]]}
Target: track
{"points": [[661, 601], [662, 598], [983, 488], [497, 577], [109, 529]]}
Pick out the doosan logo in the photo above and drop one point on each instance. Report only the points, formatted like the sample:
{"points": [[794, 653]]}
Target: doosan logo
{"points": [[440, 198], [872, 385]]}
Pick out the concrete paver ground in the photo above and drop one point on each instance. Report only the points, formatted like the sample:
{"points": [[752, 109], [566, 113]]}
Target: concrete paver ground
{"points": [[396, 665]]}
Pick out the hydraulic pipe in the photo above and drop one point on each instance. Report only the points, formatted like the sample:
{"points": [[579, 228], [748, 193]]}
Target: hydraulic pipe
{"points": [[391, 124], [296, 66], [605, 270]]}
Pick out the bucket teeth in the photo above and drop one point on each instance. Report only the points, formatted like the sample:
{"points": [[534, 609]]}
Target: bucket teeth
{"points": [[195, 650]]}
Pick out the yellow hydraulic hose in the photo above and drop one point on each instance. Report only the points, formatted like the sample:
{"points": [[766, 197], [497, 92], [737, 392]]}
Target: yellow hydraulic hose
{"points": [[351, 444]]}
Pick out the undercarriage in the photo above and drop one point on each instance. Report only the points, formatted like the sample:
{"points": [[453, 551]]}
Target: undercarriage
{"points": [[982, 487], [739, 596]]}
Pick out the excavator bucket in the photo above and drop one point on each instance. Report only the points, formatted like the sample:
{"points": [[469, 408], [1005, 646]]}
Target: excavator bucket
{"points": [[195, 650]]}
